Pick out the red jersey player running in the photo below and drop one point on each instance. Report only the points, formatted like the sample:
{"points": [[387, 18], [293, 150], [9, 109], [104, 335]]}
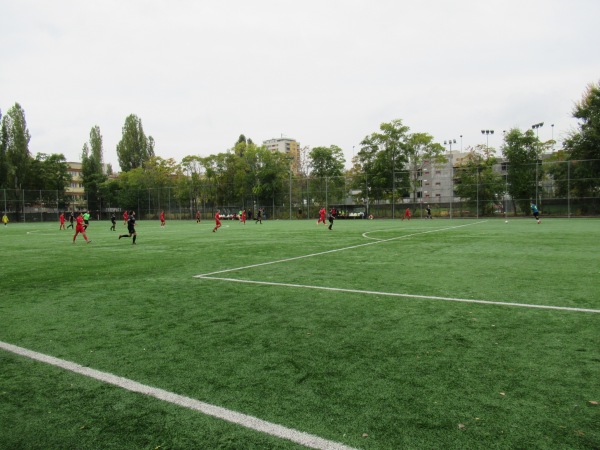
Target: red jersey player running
{"points": [[79, 228], [321, 216], [162, 219], [125, 217], [406, 214], [217, 221]]}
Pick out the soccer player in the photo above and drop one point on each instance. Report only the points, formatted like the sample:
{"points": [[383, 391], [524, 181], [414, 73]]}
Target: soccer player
{"points": [[130, 227], [113, 220], [321, 216], [79, 228], [428, 209], [331, 217], [243, 217], [86, 219], [406, 214], [5, 219], [217, 221], [259, 216], [162, 219], [61, 219], [71, 219], [125, 218], [536, 212], [197, 216]]}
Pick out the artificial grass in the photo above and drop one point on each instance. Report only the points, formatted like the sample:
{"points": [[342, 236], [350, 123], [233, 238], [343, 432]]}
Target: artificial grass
{"points": [[369, 371]]}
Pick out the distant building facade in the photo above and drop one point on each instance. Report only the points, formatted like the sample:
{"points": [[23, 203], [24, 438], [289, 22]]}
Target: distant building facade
{"points": [[287, 146], [75, 191]]}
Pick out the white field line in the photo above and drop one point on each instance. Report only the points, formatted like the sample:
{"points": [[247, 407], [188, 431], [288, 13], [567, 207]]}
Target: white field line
{"points": [[298, 437], [393, 294], [295, 258]]}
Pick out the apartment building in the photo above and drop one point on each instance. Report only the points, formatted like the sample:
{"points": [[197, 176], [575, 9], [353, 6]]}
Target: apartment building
{"points": [[289, 147]]}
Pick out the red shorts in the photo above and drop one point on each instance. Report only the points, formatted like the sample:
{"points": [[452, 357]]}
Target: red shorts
{"points": [[79, 229]]}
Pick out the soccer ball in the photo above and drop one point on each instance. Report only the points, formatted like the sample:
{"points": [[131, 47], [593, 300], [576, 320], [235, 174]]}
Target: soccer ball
{"points": [[506, 221]]}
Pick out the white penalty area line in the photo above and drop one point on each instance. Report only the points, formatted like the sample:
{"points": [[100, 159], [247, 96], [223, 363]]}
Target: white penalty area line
{"points": [[295, 258], [394, 294], [253, 423]]}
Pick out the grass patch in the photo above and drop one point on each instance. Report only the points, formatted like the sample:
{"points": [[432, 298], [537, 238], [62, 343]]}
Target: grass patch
{"points": [[367, 370]]}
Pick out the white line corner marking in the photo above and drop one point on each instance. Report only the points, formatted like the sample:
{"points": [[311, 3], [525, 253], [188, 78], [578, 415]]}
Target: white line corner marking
{"points": [[253, 423]]}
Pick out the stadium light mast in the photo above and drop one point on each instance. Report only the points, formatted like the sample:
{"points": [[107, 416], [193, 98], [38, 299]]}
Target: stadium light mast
{"points": [[537, 127], [449, 143], [487, 136]]}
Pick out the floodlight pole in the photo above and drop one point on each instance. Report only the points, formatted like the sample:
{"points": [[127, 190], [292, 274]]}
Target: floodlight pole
{"points": [[290, 159], [449, 143], [537, 127]]}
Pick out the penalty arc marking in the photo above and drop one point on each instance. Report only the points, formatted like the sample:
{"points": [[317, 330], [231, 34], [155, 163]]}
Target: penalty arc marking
{"points": [[295, 258]]}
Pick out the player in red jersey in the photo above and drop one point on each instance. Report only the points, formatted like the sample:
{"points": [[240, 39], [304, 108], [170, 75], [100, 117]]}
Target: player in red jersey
{"points": [[62, 221], [406, 214], [321, 216], [243, 217], [79, 228], [162, 219], [217, 221], [197, 216], [125, 217]]}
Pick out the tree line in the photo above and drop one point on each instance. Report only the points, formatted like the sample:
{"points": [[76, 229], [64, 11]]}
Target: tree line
{"points": [[387, 167]]}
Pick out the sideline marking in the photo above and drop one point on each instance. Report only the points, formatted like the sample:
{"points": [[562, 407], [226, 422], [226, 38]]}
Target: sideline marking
{"points": [[294, 258], [298, 437], [393, 294]]}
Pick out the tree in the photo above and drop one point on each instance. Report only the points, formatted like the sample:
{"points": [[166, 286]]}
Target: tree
{"points": [[134, 148], [16, 144], [3, 155], [524, 171], [327, 168], [383, 154], [50, 175], [584, 144], [421, 150], [477, 182], [192, 187], [91, 169]]}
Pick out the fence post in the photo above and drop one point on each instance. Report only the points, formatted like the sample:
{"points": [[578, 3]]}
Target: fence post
{"points": [[569, 189]]}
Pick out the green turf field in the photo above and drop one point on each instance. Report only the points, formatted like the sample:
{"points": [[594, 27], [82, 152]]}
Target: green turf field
{"points": [[365, 335]]}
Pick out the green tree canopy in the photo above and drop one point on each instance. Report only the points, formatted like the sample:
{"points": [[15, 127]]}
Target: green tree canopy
{"points": [[134, 148], [15, 144], [584, 144], [522, 152], [420, 150], [477, 182], [92, 168]]}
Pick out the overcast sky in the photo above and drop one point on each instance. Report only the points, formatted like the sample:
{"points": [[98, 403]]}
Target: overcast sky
{"points": [[324, 72]]}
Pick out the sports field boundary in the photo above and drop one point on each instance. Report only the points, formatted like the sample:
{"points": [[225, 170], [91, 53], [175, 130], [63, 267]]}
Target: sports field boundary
{"points": [[253, 423]]}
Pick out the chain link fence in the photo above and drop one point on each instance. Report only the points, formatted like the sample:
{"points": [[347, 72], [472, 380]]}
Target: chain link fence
{"points": [[559, 193]]}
